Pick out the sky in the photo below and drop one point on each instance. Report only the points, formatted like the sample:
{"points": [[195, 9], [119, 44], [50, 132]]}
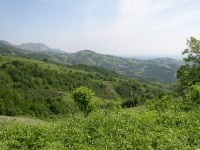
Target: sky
{"points": [[116, 27]]}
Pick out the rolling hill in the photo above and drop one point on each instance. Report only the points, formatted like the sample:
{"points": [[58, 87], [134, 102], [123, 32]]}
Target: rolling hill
{"points": [[31, 46], [34, 47], [160, 69], [37, 88]]}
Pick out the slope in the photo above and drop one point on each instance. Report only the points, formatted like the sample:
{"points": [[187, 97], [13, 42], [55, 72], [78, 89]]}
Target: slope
{"points": [[36, 88], [161, 69]]}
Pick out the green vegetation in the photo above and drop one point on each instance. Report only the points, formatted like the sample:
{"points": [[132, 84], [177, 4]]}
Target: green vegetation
{"points": [[51, 56], [40, 89], [161, 69], [119, 129], [189, 74], [82, 98], [188, 83], [36, 88]]}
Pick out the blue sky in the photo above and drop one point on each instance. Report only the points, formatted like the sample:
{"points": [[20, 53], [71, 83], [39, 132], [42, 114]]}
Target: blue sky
{"points": [[118, 27]]}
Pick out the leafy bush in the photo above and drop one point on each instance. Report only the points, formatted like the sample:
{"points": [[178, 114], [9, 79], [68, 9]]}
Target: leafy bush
{"points": [[162, 104], [192, 98], [82, 97], [194, 94], [188, 74], [129, 103]]}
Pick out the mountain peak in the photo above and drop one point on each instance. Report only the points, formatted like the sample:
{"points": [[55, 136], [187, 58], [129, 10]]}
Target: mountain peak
{"points": [[86, 51], [34, 46], [5, 43], [31, 46]]}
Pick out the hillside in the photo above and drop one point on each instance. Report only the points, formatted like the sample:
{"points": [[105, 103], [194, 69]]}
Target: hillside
{"points": [[41, 89], [30, 46], [52, 56], [34, 47], [161, 69], [39, 96]]}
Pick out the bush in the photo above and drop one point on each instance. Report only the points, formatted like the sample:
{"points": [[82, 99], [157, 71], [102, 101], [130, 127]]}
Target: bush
{"points": [[82, 97], [129, 103], [194, 94], [162, 104], [45, 60], [192, 98]]}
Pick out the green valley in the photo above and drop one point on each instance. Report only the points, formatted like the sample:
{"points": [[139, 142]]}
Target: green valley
{"points": [[39, 88], [162, 69], [99, 75], [46, 104]]}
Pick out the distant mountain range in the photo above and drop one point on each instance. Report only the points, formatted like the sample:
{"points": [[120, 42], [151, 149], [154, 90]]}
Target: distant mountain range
{"points": [[160, 69], [34, 47], [31, 46]]}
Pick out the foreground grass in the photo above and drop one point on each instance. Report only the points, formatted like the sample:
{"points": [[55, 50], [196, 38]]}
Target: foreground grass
{"points": [[8, 119], [116, 129]]}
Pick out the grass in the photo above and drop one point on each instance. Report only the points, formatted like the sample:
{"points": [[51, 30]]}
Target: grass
{"points": [[22, 119], [106, 129], [42, 64]]}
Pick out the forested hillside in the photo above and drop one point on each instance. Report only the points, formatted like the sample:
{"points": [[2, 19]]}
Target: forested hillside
{"points": [[38, 88], [99, 75], [162, 69], [74, 118]]}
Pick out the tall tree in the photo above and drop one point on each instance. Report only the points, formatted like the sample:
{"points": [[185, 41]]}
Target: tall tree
{"points": [[189, 74]]}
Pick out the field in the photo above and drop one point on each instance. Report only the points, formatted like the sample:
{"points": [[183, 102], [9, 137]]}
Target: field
{"points": [[105, 129]]}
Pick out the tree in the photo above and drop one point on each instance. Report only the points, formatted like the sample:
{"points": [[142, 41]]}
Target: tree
{"points": [[191, 99], [2, 107], [160, 105], [45, 60], [189, 74], [82, 97], [130, 103]]}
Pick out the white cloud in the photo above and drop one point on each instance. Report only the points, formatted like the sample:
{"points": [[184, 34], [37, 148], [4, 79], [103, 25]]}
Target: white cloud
{"points": [[143, 27], [129, 27]]}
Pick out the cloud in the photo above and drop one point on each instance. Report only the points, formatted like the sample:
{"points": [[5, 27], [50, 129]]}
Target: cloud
{"points": [[144, 27], [124, 27]]}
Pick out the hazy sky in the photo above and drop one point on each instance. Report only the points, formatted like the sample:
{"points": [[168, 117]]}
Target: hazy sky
{"points": [[118, 27]]}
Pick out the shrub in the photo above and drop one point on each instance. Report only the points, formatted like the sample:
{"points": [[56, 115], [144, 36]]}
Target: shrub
{"points": [[129, 103], [194, 94], [161, 104], [82, 97], [45, 60], [192, 98]]}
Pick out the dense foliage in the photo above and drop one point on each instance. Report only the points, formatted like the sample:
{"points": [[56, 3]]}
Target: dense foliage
{"points": [[169, 129], [162, 69], [38, 88], [165, 122], [82, 98], [189, 74]]}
